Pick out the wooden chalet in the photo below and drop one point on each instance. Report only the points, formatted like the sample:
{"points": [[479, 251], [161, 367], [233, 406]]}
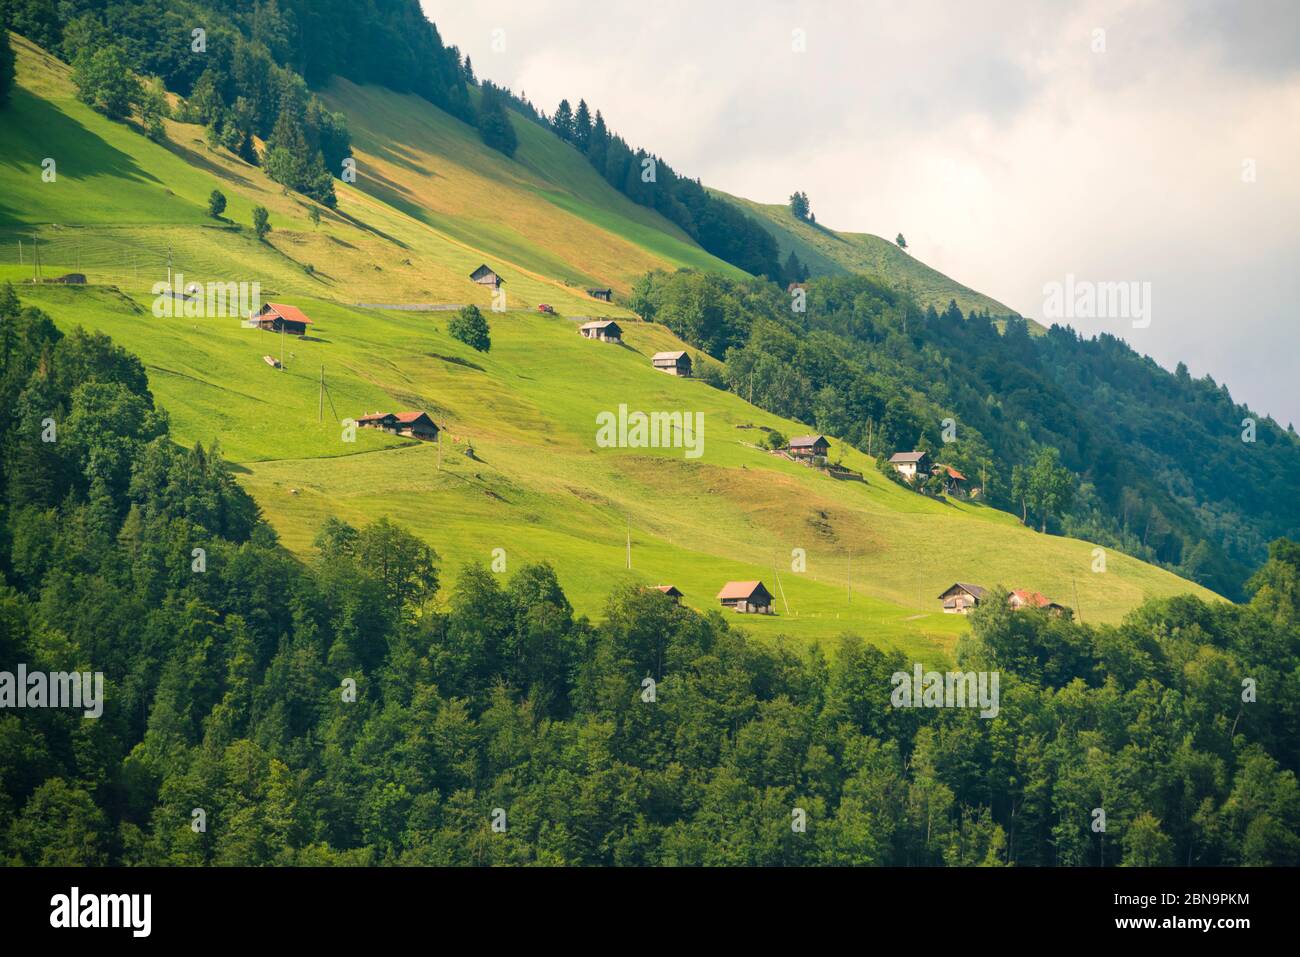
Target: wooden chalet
{"points": [[278, 317], [604, 295], [910, 464], [672, 591], [674, 363], [810, 448], [961, 598], [747, 598], [415, 424], [485, 276], [605, 330]]}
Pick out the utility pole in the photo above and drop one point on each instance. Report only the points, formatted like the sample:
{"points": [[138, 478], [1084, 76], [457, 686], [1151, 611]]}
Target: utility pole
{"points": [[320, 398], [440, 449], [169, 265], [1078, 614], [850, 578], [629, 541]]}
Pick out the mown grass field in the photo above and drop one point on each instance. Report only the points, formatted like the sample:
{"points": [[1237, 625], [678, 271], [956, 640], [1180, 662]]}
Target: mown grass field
{"points": [[539, 486]]}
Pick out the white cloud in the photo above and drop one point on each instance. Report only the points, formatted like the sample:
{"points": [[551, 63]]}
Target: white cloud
{"points": [[1006, 150]]}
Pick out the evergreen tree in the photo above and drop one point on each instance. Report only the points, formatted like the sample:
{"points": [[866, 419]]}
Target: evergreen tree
{"points": [[494, 122], [562, 121], [582, 126]]}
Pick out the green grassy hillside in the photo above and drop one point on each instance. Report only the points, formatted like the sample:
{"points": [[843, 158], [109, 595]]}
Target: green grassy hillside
{"points": [[827, 252], [538, 486]]}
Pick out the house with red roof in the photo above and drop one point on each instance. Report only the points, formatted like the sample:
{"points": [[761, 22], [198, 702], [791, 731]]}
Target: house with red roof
{"points": [[747, 598], [1022, 598], [279, 317], [415, 424]]}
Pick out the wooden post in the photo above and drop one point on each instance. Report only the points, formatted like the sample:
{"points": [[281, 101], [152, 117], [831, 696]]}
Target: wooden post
{"points": [[320, 398], [629, 541]]}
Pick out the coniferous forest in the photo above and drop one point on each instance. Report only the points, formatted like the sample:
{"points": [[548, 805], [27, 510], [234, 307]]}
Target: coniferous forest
{"points": [[335, 711]]}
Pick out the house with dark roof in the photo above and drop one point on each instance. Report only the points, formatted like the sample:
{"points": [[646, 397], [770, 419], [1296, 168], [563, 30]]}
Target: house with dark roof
{"points": [[674, 363], [485, 276], [911, 464], [746, 598], [961, 598], [604, 330], [279, 317], [604, 295], [810, 448]]}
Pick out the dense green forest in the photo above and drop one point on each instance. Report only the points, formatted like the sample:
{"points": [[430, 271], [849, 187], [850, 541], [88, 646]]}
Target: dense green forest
{"points": [[345, 711], [1160, 467]]}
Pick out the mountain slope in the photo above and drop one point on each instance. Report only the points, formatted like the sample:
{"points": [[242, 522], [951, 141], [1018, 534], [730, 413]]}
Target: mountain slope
{"points": [[826, 252], [539, 485]]}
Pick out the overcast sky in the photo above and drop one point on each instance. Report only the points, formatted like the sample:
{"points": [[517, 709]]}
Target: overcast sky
{"points": [[1007, 147]]}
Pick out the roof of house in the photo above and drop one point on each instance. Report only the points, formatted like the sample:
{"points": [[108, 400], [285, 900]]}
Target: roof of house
{"points": [[484, 270], [976, 591], [600, 290], [600, 324], [667, 356], [407, 418], [806, 441], [741, 590], [374, 416], [953, 473], [287, 313], [908, 456], [669, 590], [1033, 598]]}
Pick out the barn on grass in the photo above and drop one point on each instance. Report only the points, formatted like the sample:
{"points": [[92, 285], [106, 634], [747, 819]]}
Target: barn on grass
{"points": [[278, 317], [747, 598], [605, 330], [961, 598], [485, 276], [674, 363]]}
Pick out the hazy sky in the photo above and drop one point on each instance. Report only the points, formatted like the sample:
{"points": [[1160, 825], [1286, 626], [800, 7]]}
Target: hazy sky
{"points": [[1008, 149]]}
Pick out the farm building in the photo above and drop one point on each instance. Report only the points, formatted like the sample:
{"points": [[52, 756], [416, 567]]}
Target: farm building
{"points": [[604, 295], [415, 424], [810, 448], [747, 598], [606, 330], [961, 598], [910, 464], [954, 483], [277, 317], [71, 279], [674, 363], [486, 277], [672, 591], [1021, 598]]}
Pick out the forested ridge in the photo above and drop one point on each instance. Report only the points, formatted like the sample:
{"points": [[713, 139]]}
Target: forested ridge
{"points": [[1158, 463], [228, 692]]}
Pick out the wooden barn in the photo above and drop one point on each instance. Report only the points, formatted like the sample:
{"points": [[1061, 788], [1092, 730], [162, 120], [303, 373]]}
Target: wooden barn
{"points": [[810, 448], [954, 483], [674, 363], [604, 295], [961, 598], [747, 598], [606, 330], [910, 464], [486, 277], [415, 424], [672, 591], [277, 317]]}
